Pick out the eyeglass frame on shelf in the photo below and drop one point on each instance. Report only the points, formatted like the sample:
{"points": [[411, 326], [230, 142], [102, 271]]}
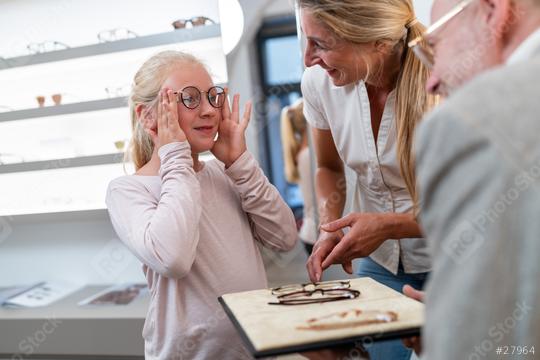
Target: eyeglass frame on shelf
{"points": [[191, 21], [101, 39], [5, 108], [117, 91], [43, 43], [421, 46]]}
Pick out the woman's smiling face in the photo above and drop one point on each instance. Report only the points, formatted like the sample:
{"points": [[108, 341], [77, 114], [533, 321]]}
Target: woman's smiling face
{"points": [[343, 61]]}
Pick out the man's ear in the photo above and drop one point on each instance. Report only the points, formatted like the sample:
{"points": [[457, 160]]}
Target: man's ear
{"points": [[498, 14]]}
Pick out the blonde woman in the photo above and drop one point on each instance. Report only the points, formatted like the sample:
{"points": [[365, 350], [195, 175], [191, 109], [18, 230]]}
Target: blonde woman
{"points": [[194, 225], [364, 93], [296, 154]]}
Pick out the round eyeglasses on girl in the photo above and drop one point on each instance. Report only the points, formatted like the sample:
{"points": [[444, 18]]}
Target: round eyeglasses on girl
{"points": [[191, 96]]}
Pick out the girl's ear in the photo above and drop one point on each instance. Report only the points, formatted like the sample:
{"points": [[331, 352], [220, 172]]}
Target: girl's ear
{"points": [[144, 116]]}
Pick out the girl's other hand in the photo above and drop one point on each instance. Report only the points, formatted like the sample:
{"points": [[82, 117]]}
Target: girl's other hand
{"points": [[231, 142]]}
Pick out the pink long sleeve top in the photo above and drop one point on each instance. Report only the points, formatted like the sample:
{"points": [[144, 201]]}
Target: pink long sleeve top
{"points": [[196, 235]]}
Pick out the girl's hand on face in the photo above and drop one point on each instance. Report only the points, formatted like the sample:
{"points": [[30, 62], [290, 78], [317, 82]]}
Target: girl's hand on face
{"points": [[231, 142], [168, 128]]}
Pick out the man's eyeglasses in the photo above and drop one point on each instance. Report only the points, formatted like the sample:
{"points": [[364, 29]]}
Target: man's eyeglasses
{"points": [[194, 21], [421, 47], [191, 96], [312, 293]]}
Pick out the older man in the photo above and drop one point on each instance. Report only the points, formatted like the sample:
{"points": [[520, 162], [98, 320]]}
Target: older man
{"points": [[478, 168]]}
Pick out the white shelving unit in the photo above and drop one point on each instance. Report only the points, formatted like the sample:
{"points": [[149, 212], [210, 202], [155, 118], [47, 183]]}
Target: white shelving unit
{"points": [[141, 42], [80, 107], [208, 35]]}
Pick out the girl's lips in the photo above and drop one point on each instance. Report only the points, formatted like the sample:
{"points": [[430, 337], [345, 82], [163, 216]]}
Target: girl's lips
{"points": [[208, 130]]}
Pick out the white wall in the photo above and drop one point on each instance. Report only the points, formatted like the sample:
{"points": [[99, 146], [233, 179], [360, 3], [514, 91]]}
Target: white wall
{"points": [[423, 10]]}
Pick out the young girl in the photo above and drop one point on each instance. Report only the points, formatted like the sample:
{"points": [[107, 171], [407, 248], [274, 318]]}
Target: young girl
{"points": [[192, 224]]}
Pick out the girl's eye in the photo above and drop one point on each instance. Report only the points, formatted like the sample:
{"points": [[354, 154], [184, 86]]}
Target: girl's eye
{"points": [[188, 99]]}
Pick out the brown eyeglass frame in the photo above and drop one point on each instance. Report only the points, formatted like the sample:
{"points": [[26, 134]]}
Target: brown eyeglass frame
{"points": [[348, 294], [194, 21], [338, 285]]}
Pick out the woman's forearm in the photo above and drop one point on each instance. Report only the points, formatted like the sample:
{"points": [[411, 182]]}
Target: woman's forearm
{"points": [[402, 226], [331, 189]]}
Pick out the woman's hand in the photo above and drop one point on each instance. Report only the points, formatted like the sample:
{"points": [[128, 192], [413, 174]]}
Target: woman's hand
{"points": [[368, 231], [231, 142], [167, 129], [324, 246]]}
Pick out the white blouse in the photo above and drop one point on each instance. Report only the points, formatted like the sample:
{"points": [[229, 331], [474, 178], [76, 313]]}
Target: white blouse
{"points": [[379, 187]]}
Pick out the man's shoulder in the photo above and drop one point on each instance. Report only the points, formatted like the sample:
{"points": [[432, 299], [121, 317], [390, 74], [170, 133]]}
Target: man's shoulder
{"points": [[498, 97], [498, 88], [495, 116]]}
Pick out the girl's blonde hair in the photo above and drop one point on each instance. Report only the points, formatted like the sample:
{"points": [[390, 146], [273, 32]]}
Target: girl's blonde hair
{"points": [[293, 130], [145, 89], [394, 22]]}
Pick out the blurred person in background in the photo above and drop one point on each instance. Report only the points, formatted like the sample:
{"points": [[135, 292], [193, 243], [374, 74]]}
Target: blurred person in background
{"points": [[296, 154]]}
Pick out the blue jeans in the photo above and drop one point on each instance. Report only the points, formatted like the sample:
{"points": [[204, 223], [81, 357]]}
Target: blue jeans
{"points": [[392, 349]]}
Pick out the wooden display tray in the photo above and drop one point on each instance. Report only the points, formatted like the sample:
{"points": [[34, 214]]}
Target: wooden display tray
{"points": [[271, 330]]}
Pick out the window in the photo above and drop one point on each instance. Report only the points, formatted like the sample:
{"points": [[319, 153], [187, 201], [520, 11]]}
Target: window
{"points": [[281, 68]]}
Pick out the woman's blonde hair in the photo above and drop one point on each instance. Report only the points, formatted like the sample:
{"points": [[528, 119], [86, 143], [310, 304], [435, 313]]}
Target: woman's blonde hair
{"points": [[392, 21], [293, 131], [144, 90]]}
